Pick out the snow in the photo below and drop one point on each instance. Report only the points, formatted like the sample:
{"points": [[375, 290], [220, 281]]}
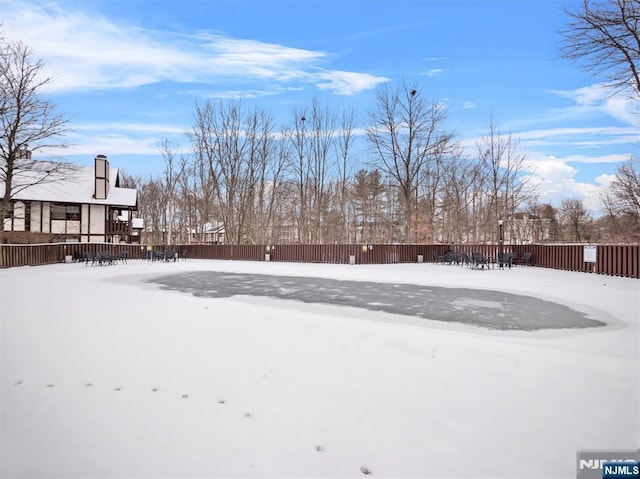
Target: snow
{"points": [[107, 375]]}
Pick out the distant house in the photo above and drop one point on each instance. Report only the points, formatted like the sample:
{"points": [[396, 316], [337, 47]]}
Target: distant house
{"points": [[88, 207], [209, 233], [527, 228]]}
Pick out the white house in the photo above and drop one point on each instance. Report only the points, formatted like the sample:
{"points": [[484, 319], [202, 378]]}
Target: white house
{"points": [[89, 207]]}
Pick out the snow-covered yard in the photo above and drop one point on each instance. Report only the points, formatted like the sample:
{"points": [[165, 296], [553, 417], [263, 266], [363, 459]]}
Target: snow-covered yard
{"points": [[107, 375]]}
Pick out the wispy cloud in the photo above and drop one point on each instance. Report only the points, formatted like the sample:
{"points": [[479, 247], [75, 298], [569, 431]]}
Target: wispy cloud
{"points": [[599, 98], [89, 52], [586, 137], [434, 72], [388, 29]]}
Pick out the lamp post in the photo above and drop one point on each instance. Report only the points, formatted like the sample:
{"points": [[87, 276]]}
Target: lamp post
{"points": [[501, 243]]}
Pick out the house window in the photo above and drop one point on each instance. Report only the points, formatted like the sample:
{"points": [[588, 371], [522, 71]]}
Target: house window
{"points": [[8, 214], [65, 212]]}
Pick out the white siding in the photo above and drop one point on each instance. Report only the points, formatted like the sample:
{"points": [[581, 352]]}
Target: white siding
{"points": [[36, 208], [46, 216], [84, 215], [97, 219]]}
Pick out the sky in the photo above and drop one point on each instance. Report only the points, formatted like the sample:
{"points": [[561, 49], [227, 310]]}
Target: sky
{"points": [[106, 375], [129, 73]]}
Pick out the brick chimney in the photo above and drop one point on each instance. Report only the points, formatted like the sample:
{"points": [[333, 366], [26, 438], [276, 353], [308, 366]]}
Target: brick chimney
{"points": [[101, 178]]}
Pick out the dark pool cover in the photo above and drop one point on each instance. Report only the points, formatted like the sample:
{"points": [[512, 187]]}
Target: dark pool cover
{"points": [[483, 308]]}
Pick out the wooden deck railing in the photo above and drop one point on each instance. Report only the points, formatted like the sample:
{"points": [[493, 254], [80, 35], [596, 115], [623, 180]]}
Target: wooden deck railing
{"points": [[116, 227], [614, 260]]}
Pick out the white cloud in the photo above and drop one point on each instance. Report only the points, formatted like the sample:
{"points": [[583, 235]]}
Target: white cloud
{"points": [[434, 72], [605, 180], [467, 105], [348, 83], [553, 179], [89, 52]]}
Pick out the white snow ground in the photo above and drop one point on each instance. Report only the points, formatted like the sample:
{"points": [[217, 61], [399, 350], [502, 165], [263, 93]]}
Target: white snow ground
{"points": [[105, 376]]}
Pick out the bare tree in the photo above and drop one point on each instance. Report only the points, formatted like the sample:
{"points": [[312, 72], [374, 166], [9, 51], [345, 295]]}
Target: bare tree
{"points": [[622, 202], [243, 167], [502, 161], [458, 196], [626, 188], [344, 147], [28, 123], [153, 207], [606, 35], [576, 220], [174, 170], [407, 137]]}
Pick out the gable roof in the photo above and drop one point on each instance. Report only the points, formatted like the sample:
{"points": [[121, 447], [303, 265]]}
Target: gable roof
{"points": [[78, 187]]}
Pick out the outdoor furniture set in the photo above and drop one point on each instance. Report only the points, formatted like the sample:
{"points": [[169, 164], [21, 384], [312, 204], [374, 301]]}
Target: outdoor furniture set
{"points": [[166, 255], [478, 260], [104, 258]]}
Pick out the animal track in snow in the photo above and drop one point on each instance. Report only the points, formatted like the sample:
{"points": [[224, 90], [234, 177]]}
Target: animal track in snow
{"points": [[365, 470]]}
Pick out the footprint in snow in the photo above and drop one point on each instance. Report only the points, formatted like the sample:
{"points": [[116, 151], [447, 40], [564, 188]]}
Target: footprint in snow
{"points": [[365, 470]]}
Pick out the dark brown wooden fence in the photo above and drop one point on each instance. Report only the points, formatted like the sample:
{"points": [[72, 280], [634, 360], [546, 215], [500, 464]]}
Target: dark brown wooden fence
{"points": [[613, 260], [622, 260], [12, 256]]}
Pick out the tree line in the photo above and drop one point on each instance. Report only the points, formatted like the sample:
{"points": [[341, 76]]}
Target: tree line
{"points": [[304, 182]]}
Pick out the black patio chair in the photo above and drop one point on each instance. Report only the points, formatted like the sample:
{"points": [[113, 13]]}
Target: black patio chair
{"points": [[525, 260], [505, 259], [123, 256], [450, 257], [478, 260], [89, 256], [183, 255], [104, 257]]}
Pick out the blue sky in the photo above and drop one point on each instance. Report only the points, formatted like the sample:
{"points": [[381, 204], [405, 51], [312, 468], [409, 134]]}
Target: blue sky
{"points": [[128, 73]]}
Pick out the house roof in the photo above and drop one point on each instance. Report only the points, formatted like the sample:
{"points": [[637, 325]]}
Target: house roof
{"points": [[77, 187]]}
